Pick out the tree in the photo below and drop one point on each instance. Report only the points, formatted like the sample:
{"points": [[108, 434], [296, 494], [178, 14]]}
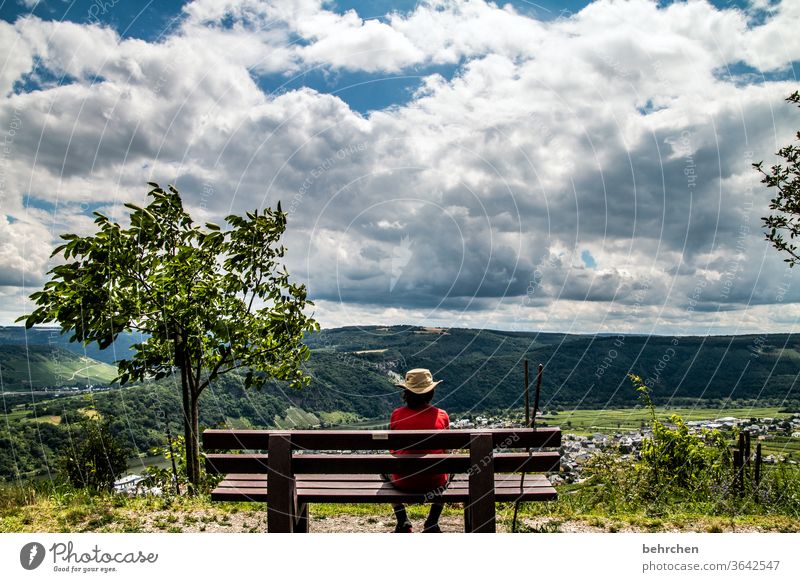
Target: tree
{"points": [[207, 301], [786, 179], [96, 459]]}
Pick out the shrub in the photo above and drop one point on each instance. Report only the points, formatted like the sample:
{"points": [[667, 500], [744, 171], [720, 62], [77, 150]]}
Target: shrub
{"points": [[176, 482], [96, 459], [676, 462], [673, 465]]}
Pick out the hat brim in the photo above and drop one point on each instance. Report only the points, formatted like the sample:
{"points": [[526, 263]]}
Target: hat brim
{"points": [[420, 389]]}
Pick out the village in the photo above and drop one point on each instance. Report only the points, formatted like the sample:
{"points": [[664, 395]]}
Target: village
{"points": [[577, 449]]}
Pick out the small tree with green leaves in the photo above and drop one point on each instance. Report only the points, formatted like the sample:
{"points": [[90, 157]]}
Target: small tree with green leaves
{"points": [[207, 301], [675, 460], [95, 458], [785, 178]]}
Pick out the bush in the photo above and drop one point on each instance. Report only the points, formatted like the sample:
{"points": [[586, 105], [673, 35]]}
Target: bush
{"points": [[96, 459], [177, 483], [674, 465]]}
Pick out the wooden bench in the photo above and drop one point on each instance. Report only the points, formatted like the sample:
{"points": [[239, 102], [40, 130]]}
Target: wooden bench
{"points": [[332, 466]]}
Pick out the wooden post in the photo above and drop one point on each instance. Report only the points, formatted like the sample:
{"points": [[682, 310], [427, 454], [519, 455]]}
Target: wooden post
{"points": [[758, 465], [747, 448], [747, 455], [527, 399], [281, 494], [737, 471], [481, 518]]}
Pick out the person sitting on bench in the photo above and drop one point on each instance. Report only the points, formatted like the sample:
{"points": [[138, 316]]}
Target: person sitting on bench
{"points": [[418, 414]]}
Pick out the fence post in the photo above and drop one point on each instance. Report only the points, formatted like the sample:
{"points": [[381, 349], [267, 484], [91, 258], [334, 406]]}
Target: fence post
{"points": [[758, 466], [737, 471], [747, 449]]}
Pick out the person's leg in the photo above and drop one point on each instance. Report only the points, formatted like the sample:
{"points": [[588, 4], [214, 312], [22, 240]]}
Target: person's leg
{"points": [[432, 522], [403, 523]]}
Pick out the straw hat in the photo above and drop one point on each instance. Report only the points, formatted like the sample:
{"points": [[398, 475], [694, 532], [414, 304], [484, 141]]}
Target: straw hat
{"points": [[419, 381]]}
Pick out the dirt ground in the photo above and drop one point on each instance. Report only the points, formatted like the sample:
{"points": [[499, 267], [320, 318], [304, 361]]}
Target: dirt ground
{"points": [[256, 522]]}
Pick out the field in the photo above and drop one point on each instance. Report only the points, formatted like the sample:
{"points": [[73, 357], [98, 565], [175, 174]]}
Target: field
{"points": [[611, 420], [43, 366], [297, 418]]}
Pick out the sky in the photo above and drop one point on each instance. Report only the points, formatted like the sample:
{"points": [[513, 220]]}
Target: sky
{"points": [[554, 166]]}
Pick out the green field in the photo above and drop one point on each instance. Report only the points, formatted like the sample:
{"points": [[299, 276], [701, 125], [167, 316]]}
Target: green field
{"points": [[610, 421], [45, 366], [585, 422], [297, 418]]}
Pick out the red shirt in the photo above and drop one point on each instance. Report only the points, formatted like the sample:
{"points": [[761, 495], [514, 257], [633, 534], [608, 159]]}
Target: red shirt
{"points": [[426, 418]]}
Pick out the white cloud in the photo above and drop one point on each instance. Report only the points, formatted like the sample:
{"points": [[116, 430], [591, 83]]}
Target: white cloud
{"points": [[552, 138], [24, 252], [18, 58]]}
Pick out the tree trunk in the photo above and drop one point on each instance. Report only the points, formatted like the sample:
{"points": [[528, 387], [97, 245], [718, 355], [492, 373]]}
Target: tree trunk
{"points": [[191, 422], [189, 431], [193, 446]]}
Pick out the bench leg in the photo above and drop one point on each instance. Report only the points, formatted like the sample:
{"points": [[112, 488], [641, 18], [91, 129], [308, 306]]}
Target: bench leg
{"points": [[301, 525], [281, 493], [481, 484]]}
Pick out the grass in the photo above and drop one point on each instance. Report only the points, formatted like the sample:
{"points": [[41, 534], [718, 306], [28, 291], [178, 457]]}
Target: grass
{"points": [[36, 509], [43, 508]]}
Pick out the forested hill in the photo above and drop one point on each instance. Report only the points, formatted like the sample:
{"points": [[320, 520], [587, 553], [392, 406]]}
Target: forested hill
{"points": [[53, 338], [483, 368]]}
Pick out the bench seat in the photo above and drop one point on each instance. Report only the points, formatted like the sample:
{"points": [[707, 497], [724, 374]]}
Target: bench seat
{"points": [[372, 489]]}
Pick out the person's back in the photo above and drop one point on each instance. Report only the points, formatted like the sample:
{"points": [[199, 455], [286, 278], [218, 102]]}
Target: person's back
{"points": [[424, 417], [418, 414]]}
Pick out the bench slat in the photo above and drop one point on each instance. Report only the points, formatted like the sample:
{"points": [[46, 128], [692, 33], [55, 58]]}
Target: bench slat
{"points": [[539, 461], [221, 439], [234, 478], [301, 485], [382, 492]]}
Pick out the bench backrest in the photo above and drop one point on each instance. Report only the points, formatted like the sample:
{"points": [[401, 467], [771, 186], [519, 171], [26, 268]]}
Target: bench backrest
{"points": [[302, 446], [374, 440]]}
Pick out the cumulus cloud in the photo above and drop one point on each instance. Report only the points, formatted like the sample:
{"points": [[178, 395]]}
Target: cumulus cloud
{"points": [[24, 252], [623, 131]]}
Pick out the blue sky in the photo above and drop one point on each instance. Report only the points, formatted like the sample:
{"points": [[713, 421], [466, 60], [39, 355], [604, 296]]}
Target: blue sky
{"points": [[579, 167]]}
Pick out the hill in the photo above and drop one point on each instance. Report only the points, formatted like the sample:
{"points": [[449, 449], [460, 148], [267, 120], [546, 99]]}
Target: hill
{"points": [[42, 366], [52, 337], [351, 367], [483, 368]]}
